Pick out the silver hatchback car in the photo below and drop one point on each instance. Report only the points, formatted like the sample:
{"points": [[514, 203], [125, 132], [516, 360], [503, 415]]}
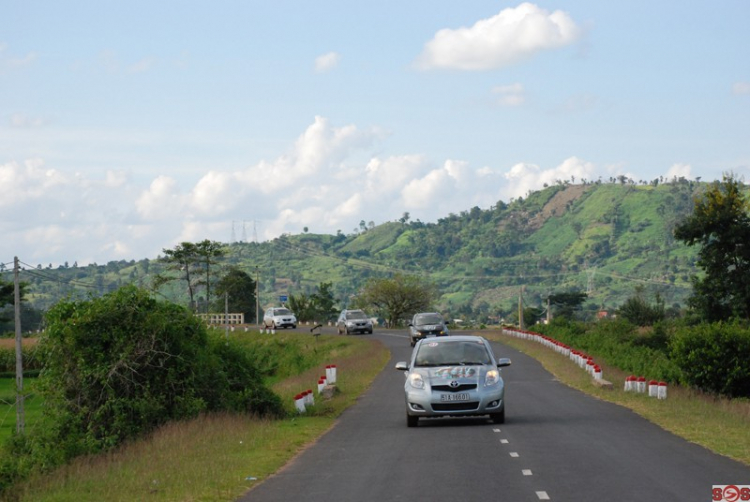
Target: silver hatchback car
{"points": [[453, 376]]}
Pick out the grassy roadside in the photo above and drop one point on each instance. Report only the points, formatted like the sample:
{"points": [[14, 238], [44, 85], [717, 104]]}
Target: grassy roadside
{"points": [[218, 457], [719, 424]]}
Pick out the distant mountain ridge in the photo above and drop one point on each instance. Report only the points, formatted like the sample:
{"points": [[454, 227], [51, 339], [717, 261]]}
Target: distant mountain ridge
{"points": [[601, 238]]}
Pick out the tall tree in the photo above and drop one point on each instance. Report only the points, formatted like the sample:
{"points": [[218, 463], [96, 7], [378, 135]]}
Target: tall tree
{"points": [[568, 303], [240, 288], [720, 225], [207, 251], [324, 303], [188, 260], [7, 297], [397, 297], [639, 311], [180, 260]]}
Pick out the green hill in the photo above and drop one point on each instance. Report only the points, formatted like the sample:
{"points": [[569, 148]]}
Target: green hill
{"points": [[602, 238]]}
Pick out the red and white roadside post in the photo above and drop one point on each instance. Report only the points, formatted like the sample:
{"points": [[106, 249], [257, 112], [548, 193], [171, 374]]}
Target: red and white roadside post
{"points": [[331, 373], [321, 384], [299, 403], [653, 388], [630, 384], [641, 384], [662, 392]]}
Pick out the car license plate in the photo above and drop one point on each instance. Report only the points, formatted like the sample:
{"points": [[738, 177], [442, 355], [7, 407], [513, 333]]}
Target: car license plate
{"points": [[460, 396]]}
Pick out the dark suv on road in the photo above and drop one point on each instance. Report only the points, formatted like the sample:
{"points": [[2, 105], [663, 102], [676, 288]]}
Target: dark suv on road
{"points": [[353, 321], [426, 324]]}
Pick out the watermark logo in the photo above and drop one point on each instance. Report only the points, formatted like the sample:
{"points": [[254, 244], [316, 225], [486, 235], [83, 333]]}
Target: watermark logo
{"points": [[730, 493]]}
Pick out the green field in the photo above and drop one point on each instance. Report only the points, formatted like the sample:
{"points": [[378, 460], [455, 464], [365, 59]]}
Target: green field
{"points": [[32, 406]]}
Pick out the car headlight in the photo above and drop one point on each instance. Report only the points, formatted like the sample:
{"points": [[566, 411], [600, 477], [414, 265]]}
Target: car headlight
{"points": [[416, 381], [492, 378]]}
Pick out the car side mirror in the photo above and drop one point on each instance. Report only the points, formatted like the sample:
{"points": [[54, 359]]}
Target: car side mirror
{"points": [[402, 366], [503, 361]]}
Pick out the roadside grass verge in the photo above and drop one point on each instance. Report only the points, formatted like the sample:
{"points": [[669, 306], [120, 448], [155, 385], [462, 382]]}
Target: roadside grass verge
{"points": [[219, 457], [719, 424]]}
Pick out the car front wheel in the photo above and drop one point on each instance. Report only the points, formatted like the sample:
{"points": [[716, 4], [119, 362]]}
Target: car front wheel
{"points": [[411, 420], [498, 418]]}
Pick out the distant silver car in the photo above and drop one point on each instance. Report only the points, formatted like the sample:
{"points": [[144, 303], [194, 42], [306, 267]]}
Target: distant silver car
{"points": [[426, 324], [353, 321], [453, 376], [279, 317]]}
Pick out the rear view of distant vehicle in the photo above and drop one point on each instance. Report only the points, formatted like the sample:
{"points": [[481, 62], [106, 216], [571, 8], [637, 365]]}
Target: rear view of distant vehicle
{"points": [[426, 324], [279, 317], [353, 321], [456, 376]]}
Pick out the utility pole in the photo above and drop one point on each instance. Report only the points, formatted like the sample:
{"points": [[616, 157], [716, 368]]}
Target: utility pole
{"points": [[19, 352], [549, 313], [226, 314], [520, 310], [257, 296]]}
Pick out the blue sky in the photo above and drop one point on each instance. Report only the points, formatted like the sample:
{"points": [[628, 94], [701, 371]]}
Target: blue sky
{"points": [[129, 127]]}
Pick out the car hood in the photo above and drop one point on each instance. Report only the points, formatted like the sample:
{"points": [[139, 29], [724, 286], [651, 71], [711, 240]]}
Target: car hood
{"points": [[443, 375]]}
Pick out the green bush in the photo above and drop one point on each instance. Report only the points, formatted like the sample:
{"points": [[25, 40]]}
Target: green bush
{"points": [[714, 357], [617, 342], [119, 366]]}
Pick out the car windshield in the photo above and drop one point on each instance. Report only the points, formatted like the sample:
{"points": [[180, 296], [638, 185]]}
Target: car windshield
{"points": [[282, 312], [356, 315], [423, 319], [451, 353]]}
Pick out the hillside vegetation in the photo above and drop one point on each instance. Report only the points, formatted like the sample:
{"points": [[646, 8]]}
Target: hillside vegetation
{"points": [[600, 238]]}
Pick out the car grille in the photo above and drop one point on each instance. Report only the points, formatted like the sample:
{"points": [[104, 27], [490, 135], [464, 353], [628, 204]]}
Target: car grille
{"points": [[455, 406], [460, 388]]}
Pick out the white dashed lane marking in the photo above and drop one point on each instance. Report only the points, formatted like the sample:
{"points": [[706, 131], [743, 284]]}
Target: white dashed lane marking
{"points": [[526, 472]]}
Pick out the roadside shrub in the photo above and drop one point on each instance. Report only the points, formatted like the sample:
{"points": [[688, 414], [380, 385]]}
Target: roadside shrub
{"points": [[118, 367], [617, 342], [121, 365], [234, 382], [714, 357]]}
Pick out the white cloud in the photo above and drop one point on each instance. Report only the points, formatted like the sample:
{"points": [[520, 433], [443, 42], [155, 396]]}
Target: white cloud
{"points": [[22, 121], [326, 181], [161, 200], [510, 95], [13, 62], [327, 62], [741, 88], [142, 66], [512, 35], [679, 171], [525, 177]]}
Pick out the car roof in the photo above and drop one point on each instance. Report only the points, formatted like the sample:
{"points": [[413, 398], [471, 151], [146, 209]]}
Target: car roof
{"points": [[455, 338]]}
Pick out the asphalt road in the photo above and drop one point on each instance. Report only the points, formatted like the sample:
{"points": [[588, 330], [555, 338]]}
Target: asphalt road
{"points": [[557, 444]]}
